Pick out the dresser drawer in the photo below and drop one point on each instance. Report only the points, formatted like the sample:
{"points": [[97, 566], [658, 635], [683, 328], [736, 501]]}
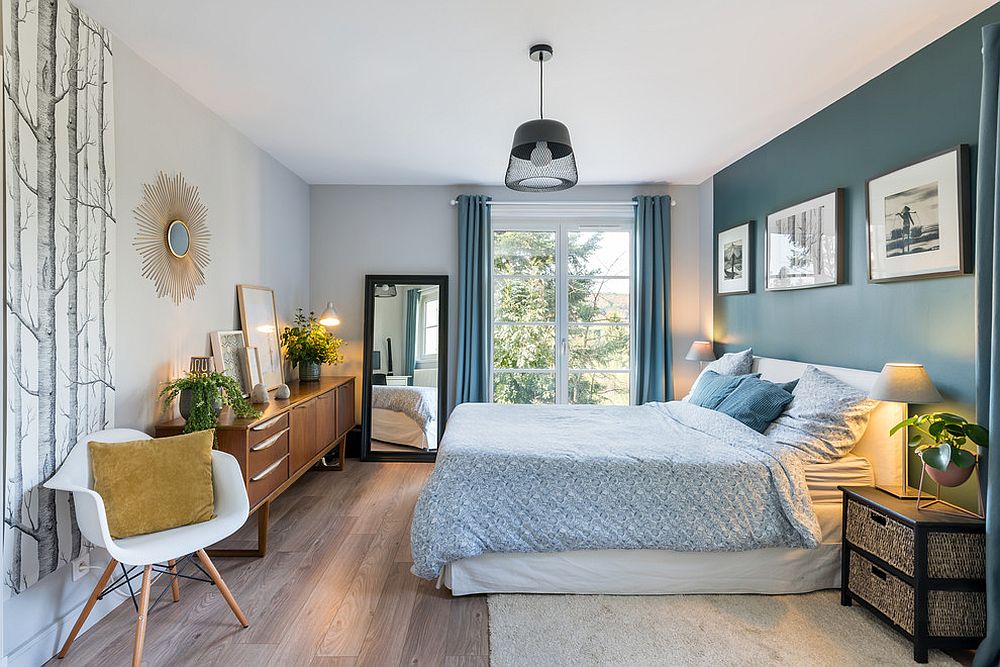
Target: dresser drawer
{"points": [[265, 430], [267, 480], [880, 535], [266, 452]]}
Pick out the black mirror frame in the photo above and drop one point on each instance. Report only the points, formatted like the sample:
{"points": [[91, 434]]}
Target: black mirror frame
{"points": [[371, 280]]}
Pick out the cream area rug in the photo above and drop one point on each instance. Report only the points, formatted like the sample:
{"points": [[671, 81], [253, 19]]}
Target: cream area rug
{"points": [[810, 630]]}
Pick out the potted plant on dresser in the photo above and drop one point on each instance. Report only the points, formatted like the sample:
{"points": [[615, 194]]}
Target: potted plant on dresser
{"points": [[201, 396], [308, 345]]}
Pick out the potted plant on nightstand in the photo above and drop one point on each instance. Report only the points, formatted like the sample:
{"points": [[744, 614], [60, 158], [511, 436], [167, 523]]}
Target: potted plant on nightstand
{"points": [[202, 395], [945, 443], [308, 345]]}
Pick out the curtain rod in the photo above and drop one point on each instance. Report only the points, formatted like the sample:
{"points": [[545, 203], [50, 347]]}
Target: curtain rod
{"points": [[454, 202]]}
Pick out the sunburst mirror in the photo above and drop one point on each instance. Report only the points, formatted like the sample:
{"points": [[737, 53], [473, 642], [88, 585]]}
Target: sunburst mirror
{"points": [[172, 236]]}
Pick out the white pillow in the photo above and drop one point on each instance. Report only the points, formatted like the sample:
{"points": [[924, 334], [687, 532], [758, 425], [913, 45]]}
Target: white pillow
{"points": [[731, 363], [825, 419]]}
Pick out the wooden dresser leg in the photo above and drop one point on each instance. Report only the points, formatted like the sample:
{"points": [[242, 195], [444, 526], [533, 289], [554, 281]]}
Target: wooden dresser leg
{"points": [[262, 517], [140, 624], [226, 593], [175, 584], [87, 608]]}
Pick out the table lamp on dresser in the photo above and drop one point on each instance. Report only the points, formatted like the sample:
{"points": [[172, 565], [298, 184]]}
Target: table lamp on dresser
{"points": [[700, 351], [906, 384]]}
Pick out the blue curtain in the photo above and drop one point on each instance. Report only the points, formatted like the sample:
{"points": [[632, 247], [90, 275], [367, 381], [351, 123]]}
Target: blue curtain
{"points": [[472, 374], [410, 358], [988, 328], [652, 299]]}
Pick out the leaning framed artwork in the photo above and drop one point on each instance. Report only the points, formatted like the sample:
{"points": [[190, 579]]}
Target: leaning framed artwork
{"points": [[804, 244], [229, 357], [734, 249], [919, 220], [260, 324]]}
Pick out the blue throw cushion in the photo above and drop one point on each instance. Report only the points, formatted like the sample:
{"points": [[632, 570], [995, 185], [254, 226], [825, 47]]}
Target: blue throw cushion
{"points": [[755, 402], [713, 388]]}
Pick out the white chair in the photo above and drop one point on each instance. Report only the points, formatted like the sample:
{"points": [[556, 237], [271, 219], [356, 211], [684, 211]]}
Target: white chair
{"points": [[167, 546]]}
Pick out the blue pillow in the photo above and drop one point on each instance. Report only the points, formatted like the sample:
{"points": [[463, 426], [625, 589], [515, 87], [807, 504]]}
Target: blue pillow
{"points": [[755, 402], [713, 388]]}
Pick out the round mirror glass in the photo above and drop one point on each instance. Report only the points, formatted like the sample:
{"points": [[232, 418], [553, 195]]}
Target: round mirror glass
{"points": [[178, 238]]}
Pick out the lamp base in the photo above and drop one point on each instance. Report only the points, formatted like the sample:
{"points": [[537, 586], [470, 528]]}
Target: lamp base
{"points": [[902, 491]]}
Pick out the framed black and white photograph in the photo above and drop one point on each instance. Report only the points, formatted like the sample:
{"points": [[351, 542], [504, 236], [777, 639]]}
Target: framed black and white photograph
{"points": [[803, 244], [918, 219], [734, 249], [228, 353]]}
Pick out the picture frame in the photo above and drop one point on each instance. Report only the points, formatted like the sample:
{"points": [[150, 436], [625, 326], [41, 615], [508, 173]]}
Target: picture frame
{"points": [[804, 244], [734, 249], [228, 356], [260, 324], [252, 360], [919, 222]]}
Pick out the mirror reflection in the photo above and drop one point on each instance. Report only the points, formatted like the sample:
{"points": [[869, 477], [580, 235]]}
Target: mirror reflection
{"points": [[178, 238], [406, 335]]}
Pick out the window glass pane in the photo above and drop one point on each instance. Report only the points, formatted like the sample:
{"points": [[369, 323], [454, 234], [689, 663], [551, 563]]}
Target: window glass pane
{"points": [[599, 388], [524, 300], [599, 347], [598, 300], [603, 253], [524, 346], [524, 388], [431, 312], [430, 341], [533, 253]]}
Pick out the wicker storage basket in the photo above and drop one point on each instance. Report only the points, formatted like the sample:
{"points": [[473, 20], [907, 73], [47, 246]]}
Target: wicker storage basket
{"points": [[881, 536]]}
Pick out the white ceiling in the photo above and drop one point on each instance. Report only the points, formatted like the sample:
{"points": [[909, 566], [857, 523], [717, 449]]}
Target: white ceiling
{"points": [[430, 91]]}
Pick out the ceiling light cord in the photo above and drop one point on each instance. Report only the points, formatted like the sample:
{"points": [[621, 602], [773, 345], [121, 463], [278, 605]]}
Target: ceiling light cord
{"points": [[541, 88]]}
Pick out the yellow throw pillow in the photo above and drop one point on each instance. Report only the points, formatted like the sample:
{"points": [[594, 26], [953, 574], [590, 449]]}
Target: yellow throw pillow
{"points": [[153, 485]]}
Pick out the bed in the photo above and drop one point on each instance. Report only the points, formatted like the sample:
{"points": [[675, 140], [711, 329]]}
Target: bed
{"points": [[796, 552], [404, 415]]}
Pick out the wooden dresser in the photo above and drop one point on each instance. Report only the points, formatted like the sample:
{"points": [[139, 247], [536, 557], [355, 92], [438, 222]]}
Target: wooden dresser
{"points": [[282, 444]]}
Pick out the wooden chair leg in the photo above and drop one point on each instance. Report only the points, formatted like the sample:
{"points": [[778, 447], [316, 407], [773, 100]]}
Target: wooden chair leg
{"points": [[175, 584], [140, 625], [226, 593], [87, 608]]}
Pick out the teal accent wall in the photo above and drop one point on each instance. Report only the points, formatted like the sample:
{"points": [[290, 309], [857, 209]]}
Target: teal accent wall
{"points": [[925, 104]]}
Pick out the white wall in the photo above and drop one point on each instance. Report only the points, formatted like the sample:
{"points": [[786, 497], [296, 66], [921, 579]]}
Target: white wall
{"points": [[706, 226], [362, 229], [258, 213]]}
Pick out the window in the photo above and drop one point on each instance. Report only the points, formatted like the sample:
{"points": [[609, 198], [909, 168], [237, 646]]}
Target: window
{"points": [[561, 311], [428, 323]]}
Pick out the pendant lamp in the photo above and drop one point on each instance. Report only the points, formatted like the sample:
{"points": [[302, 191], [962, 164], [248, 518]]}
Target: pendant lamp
{"points": [[541, 158]]}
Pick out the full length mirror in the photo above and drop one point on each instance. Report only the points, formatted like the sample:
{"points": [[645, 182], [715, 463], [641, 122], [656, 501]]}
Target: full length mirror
{"points": [[406, 342]]}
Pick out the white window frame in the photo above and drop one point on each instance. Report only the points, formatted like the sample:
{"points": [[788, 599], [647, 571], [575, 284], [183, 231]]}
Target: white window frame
{"points": [[563, 221], [425, 295]]}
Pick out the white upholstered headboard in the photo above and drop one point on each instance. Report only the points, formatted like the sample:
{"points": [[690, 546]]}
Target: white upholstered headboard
{"points": [[885, 452]]}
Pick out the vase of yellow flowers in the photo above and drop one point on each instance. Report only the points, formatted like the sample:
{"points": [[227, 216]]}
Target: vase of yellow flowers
{"points": [[308, 345]]}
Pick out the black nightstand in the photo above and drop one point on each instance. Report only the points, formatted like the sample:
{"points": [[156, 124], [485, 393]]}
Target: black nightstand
{"points": [[923, 572]]}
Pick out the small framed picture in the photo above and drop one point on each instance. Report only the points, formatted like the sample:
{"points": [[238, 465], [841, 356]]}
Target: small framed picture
{"points": [[804, 244], [734, 249], [252, 363], [919, 220], [229, 356]]}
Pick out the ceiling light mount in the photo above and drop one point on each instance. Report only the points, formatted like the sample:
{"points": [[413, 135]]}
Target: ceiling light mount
{"points": [[541, 157]]}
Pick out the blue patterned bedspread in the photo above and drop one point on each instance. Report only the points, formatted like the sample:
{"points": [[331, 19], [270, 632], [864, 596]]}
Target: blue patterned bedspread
{"points": [[675, 476]]}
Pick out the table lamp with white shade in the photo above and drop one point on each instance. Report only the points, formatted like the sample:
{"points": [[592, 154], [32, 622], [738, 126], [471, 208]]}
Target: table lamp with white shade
{"points": [[904, 383], [700, 351]]}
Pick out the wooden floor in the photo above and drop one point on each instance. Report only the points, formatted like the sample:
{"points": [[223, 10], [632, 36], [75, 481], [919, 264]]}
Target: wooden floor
{"points": [[334, 589]]}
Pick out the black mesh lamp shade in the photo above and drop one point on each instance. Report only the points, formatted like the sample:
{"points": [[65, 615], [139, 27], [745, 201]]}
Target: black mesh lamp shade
{"points": [[541, 156]]}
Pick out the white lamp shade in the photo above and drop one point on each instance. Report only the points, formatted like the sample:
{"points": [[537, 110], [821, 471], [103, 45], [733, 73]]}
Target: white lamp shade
{"points": [[701, 350], [904, 383], [329, 318]]}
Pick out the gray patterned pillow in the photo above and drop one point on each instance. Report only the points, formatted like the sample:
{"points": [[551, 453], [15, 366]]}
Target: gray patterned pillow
{"points": [[731, 363], [825, 419]]}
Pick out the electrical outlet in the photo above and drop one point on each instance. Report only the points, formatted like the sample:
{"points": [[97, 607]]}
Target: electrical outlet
{"points": [[81, 565]]}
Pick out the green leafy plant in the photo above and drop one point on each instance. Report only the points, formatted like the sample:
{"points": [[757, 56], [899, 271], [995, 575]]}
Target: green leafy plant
{"points": [[207, 389], [940, 438], [308, 341]]}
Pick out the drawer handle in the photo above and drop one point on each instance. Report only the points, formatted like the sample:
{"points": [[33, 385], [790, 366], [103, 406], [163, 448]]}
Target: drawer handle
{"points": [[877, 518], [268, 424], [879, 573], [270, 441], [269, 469]]}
